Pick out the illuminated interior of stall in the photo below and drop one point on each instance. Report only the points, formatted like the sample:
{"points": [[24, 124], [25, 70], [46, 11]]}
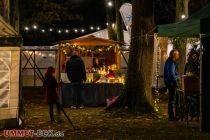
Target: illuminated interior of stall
{"points": [[100, 56]]}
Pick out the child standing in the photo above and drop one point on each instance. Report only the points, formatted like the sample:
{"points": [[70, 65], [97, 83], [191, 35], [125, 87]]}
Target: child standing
{"points": [[50, 86]]}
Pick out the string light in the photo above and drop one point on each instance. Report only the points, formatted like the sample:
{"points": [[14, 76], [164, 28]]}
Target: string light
{"points": [[59, 31], [26, 28], [75, 30], [91, 28], [50, 29], [113, 25], [82, 30], [43, 31], [35, 27], [183, 16], [67, 31], [110, 3]]}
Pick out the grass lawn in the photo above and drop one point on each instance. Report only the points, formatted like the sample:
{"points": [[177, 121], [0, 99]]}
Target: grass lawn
{"points": [[94, 123]]}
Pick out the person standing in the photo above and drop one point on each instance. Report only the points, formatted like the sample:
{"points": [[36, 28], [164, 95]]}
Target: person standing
{"points": [[50, 85], [76, 73], [171, 81], [192, 65]]}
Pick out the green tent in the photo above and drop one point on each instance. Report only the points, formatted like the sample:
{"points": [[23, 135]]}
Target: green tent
{"points": [[191, 27]]}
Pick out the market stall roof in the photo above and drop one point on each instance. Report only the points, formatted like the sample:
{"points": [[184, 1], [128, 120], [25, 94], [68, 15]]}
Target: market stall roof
{"points": [[91, 41], [104, 34], [190, 27]]}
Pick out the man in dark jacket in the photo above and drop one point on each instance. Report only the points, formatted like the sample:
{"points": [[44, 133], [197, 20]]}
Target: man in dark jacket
{"points": [[171, 81], [76, 73]]}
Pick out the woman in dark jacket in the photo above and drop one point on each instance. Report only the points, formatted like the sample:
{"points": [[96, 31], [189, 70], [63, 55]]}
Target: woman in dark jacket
{"points": [[50, 86]]}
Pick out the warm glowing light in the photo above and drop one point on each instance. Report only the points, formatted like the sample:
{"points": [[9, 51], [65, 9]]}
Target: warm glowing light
{"points": [[59, 31], [26, 28], [75, 30], [110, 3], [35, 27], [67, 31], [183, 16], [82, 30], [113, 25]]}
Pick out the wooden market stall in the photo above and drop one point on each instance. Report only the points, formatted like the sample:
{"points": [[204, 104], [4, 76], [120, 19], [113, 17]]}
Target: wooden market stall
{"points": [[100, 56]]}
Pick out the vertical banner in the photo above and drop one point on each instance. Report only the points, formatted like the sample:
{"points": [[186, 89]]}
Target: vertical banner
{"points": [[126, 13]]}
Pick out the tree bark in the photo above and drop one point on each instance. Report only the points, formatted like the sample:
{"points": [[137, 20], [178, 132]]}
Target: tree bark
{"points": [[119, 23], [137, 92]]}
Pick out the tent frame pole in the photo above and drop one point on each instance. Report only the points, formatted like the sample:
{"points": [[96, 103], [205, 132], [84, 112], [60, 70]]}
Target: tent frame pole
{"points": [[201, 67]]}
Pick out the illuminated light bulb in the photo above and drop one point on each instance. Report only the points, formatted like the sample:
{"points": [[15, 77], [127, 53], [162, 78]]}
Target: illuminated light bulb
{"points": [[110, 3], [82, 30], [26, 28], [59, 31], [35, 27], [67, 31], [91, 28], [75, 30], [183, 16]]}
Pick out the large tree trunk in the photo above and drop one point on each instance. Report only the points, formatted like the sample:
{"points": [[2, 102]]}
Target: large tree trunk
{"points": [[137, 93], [119, 23], [180, 44]]}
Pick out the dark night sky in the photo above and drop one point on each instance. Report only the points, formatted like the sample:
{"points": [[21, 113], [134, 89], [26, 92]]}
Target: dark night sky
{"points": [[91, 12], [85, 13]]}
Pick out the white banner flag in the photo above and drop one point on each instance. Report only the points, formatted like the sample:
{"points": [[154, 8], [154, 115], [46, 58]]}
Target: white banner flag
{"points": [[126, 13]]}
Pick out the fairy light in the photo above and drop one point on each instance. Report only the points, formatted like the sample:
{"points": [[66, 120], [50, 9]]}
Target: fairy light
{"points": [[35, 27], [183, 16], [91, 28], [26, 28], [50, 29], [43, 30], [82, 30], [67, 31], [59, 31], [110, 4], [76, 30]]}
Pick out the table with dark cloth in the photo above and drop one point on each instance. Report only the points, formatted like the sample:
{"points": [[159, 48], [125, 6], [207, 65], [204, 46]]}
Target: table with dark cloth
{"points": [[92, 94]]}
